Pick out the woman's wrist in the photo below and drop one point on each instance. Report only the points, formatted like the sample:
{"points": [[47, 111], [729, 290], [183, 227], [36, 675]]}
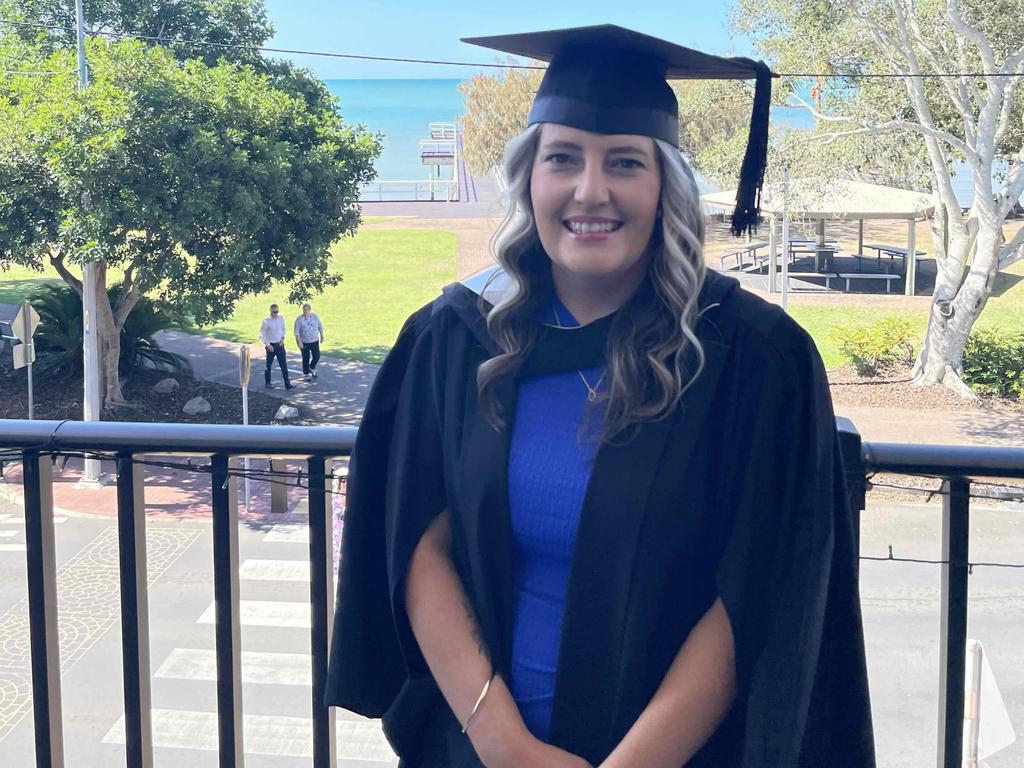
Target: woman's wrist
{"points": [[498, 733]]}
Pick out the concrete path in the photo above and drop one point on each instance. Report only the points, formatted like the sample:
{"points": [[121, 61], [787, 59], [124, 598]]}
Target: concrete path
{"points": [[337, 396]]}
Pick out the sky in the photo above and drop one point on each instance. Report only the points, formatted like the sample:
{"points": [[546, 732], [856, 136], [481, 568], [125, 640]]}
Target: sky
{"points": [[424, 30]]}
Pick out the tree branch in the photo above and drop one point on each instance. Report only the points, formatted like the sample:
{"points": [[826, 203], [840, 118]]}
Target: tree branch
{"points": [[890, 125], [976, 36], [1013, 188], [126, 302], [57, 261], [1011, 252], [954, 88]]}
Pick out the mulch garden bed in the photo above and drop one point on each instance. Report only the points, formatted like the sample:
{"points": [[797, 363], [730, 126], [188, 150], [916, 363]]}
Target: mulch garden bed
{"points": [[62, 399], [894, 390]]}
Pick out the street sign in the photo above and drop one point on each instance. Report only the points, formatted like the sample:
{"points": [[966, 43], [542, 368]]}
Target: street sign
{"points": [[24, 354], [244, 366], [25, 323]]}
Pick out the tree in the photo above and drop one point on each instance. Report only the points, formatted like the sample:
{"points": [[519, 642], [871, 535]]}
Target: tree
{"points": [[202, 184], [929, 122], [228, 22], [496, 110], [713, 119]]}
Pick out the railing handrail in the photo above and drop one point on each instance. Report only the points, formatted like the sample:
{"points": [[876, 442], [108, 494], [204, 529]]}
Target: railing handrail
{"points": [[161, 438], [947, 460]]}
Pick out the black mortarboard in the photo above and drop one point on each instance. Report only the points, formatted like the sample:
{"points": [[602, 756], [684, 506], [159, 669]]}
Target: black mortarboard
{"points": [[608, 79]]}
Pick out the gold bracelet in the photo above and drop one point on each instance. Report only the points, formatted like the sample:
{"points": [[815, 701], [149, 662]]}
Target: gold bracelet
{"points": [[476, 707]]}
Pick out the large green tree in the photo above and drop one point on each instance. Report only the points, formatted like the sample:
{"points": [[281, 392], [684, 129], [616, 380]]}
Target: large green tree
{"points": [[201, 183], [237, 25], [919, 126]]}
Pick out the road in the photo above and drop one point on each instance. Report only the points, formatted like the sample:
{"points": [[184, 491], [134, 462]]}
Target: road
{"points": [[900, 602]]}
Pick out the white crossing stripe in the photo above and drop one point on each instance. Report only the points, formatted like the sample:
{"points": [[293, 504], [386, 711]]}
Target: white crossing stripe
{"points": [[265, 613], [263, 668], [8, 534], [288, 534], [12, 547], [274, 570], [20, 520], [263, 734]]}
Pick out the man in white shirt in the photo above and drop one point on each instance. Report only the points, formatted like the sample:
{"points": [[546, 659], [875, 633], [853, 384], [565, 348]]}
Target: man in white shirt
{"points": [[309, 332], [272, 336]]}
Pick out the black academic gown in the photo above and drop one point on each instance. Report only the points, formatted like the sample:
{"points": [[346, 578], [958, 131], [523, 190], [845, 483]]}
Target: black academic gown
{"points": [[739, 493]]}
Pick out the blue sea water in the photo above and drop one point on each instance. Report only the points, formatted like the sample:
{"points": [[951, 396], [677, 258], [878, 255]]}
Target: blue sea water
{"points": [[402, 111]]}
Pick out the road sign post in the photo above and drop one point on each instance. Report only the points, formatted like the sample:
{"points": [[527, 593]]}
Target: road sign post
{"points": [[244, 370], [24, 327]]}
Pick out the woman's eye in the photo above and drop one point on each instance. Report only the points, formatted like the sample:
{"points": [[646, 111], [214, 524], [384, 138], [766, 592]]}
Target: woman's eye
{"points": [[560, 159], [628, 163]]}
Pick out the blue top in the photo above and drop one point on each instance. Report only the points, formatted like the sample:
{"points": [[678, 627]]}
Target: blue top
{"points": [[548, 471]]}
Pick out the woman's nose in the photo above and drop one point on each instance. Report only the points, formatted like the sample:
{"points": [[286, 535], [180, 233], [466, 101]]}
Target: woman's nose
{"points": [[592, 188]]}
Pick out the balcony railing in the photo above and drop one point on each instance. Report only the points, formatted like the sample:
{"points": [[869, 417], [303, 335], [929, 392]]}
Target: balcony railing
{"points": [[34, 443]]}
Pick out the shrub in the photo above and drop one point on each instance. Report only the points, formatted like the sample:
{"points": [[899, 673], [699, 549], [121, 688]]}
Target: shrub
{"points": [[59, 337], [994, 363], [878, 347]]}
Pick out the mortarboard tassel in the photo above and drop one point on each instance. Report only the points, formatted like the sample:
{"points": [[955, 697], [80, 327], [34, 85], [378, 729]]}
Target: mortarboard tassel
{"points": [[748, 192]]}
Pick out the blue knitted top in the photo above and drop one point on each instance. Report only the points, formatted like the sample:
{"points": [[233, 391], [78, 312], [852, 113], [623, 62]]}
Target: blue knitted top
{"points": [[550, 459]]}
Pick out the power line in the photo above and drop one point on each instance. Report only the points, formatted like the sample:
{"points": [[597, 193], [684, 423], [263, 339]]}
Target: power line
{"points": [[268, 49], [441, 62]]}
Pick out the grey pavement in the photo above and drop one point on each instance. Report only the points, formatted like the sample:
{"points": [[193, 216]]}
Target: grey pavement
{"points": [[901, 615], [275, 647], [337, 396]]}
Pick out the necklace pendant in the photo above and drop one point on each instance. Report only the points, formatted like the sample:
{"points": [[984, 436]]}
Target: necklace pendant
{"points": [[592, 395]]}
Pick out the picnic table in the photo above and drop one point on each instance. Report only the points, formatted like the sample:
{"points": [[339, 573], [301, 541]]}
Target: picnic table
{"points": [[892, 251], [741, 251]]}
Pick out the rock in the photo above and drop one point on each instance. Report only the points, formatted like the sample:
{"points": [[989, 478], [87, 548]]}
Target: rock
{"points": [[165, 386], [196, 405], [286, 412]]}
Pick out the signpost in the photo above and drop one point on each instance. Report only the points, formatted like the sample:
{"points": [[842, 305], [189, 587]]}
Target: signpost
{"points": [[23, 328], [244, 369]]}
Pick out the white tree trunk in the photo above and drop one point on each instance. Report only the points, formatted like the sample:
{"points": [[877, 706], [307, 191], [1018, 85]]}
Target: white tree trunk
{"points": [[957, 304]]}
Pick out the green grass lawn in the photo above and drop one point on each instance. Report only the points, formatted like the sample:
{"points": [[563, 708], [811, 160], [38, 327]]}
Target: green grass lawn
{"points": [[390, 273], [1005, 310]]}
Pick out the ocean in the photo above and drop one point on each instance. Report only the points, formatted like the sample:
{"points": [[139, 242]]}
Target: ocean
{"points": [[403, 109]]}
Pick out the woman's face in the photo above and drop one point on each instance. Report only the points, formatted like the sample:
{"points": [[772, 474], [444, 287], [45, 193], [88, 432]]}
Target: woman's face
{"points": [[595, 200]]}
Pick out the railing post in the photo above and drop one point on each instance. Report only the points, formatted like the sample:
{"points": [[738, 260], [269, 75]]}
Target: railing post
{"points": [[321, 597], [228, 620], [41, 559], [855, 470], [131, 538], [953, 632]]}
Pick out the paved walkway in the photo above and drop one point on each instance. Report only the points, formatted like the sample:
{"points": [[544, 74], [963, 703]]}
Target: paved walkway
{"points": [[337, 396]]}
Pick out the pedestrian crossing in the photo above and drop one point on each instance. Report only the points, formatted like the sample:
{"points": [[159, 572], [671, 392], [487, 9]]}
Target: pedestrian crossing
{"points": [[275, 668], [12, 527], [272, 735]]}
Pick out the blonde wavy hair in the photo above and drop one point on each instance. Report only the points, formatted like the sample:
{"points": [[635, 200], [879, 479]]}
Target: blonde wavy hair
{"points": [[653, 353]]}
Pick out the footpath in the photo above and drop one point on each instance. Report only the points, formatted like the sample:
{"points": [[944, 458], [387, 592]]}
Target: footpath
{"points": [[339, 395]]}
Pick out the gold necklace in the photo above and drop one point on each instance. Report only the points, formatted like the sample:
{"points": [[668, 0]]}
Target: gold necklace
{"points": [[591, 390]]}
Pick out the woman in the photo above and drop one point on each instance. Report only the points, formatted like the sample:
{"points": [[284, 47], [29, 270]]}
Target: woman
{"points": [[596, 515]]}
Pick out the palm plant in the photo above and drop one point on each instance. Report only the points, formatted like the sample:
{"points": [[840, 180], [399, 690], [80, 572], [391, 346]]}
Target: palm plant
{"points": [[59, 337], [137, 344]]}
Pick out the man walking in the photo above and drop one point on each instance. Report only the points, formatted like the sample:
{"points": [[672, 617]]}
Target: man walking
{"points": [[272, 336], [309, 332]]}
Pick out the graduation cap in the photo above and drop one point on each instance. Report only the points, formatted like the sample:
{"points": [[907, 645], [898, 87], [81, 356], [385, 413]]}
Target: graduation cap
{"points": [[608, 79]]}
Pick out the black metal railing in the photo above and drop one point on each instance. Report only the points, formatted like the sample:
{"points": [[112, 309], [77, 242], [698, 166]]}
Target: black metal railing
{"points": [[36, 442]]}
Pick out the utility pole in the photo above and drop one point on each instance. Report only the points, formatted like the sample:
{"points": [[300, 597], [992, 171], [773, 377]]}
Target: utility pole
{"points": [[90, 346]]}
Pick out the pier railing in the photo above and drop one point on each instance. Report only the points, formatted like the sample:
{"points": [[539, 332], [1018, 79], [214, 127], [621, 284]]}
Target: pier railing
{"points": [[409, 190]]}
